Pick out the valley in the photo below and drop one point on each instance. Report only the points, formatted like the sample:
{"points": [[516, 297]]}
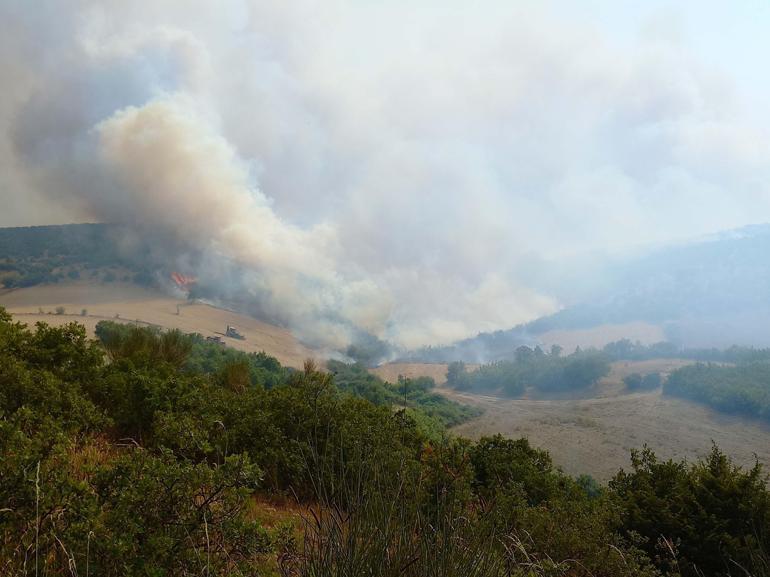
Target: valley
{"points": [[595, 434]]}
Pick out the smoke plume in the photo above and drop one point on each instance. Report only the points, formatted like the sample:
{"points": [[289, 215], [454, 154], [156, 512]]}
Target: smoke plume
{"points": [[408, 170]]}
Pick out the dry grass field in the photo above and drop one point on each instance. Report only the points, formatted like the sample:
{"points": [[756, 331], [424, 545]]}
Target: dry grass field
{"points": [[594, 434], [133, 304]]}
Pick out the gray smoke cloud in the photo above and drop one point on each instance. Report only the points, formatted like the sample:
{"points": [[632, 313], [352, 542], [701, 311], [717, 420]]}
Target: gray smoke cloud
{"points": [[406, 169]]}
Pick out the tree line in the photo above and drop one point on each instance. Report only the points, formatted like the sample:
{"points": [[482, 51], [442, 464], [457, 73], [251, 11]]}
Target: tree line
{"points": [[626, 350], [544, 372]]}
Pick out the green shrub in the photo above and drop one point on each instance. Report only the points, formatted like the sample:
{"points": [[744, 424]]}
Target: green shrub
{"points": [[742, 389], [532, 368], [712, 514], [648, 382]]}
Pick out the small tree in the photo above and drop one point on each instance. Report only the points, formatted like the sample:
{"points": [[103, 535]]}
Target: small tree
{"points": [[652, 381], [523, 354], [648, 382], [633, 381], [454, 373]]}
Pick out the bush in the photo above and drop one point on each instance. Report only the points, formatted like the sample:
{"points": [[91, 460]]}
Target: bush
{"points": [[432, 410], [742, 389], [713, 515], [637, 382], [532, 368]]}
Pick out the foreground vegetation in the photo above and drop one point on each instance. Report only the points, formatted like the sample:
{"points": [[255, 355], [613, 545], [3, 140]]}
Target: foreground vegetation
{"points": [[432, 411], [147, 454]]}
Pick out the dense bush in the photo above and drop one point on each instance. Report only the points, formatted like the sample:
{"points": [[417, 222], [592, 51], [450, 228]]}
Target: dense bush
{"points": [[193, 352], [742, 389], [546, 373], [713, 517], [646, 382], [412, 394]]}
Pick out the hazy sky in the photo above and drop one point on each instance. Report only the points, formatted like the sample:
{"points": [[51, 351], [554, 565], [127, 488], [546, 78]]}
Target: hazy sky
{"points": [[418, 162]]}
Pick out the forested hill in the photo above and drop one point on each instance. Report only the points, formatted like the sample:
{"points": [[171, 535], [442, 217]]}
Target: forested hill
{"points": [[49, 254], [95, 240]]}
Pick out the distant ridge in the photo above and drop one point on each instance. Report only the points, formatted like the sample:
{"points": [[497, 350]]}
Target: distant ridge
{"points": [[713, 291]]}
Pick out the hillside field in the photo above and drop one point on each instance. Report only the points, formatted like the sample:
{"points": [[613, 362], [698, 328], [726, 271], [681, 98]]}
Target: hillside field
{"points": [[148, 307]]}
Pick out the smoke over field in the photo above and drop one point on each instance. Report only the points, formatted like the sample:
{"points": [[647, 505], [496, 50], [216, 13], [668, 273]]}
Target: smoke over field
{"points": [[404, 171], [185, 181]]}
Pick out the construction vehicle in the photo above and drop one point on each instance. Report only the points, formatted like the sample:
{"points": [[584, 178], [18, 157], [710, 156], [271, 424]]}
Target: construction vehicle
{"points": [[215, 340], [234, 334]]}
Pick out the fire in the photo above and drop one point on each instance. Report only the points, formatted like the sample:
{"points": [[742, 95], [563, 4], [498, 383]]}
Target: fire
{"points": [[184, 282]]}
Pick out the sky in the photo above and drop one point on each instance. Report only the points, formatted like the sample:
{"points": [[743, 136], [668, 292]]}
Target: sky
{"points": [[412, 169]]}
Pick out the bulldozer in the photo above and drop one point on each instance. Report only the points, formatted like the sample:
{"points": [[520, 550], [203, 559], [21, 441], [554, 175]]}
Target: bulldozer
{"points": [[234, 334]]}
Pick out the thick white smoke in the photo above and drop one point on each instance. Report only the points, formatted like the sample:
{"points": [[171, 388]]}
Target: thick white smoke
{"points": [[176, 175], [403, 168]]}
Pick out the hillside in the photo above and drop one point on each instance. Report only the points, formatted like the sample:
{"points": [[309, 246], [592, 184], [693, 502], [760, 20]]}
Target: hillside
{"points": [[704, 293], [148, 307], [104, 254], [36, 255]]}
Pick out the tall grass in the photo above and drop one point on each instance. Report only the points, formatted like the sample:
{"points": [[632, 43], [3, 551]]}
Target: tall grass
{"points": [[376, 524]]}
